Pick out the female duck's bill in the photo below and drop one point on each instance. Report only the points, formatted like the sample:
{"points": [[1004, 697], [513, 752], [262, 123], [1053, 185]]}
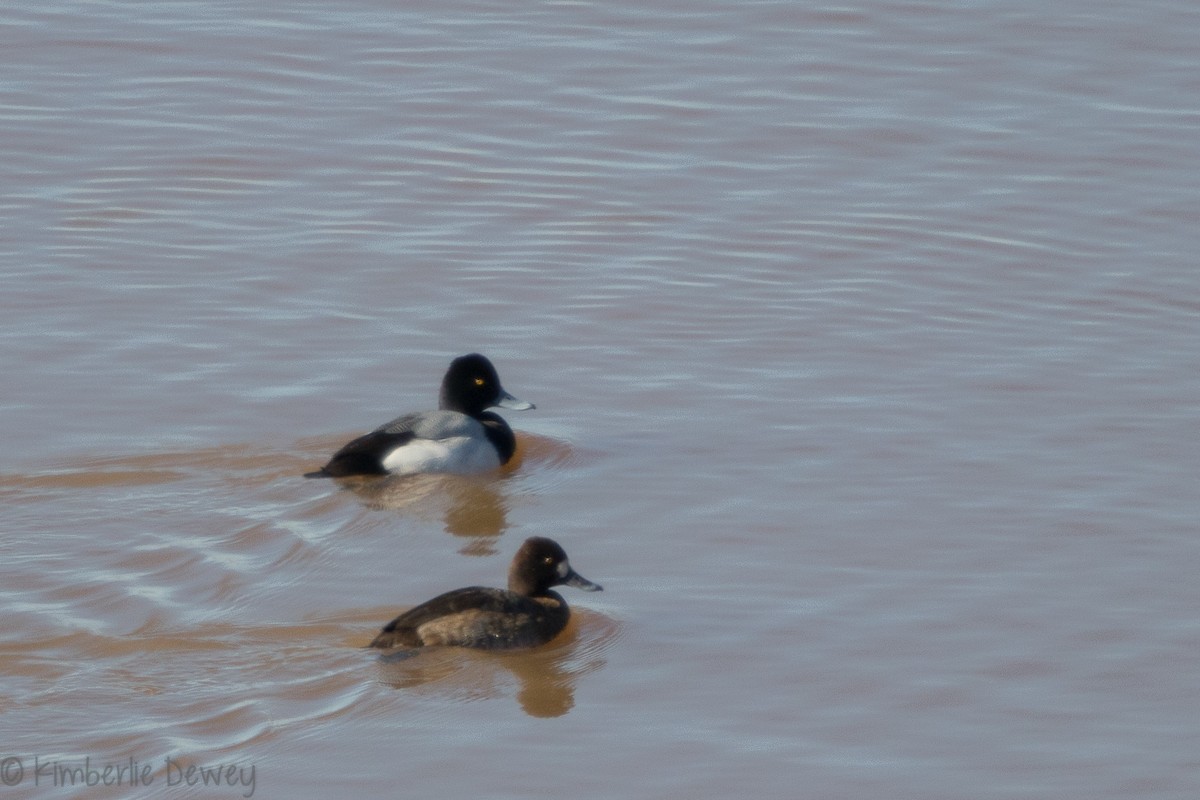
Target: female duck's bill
{"points": [[525, 614], [460, 437]]}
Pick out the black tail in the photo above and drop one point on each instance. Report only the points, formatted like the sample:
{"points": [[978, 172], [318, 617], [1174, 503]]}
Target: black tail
{"points": [[363, 456]]}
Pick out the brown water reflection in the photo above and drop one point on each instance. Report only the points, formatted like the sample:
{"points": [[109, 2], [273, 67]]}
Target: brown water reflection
{"points": [[469, 507], [472, 507], [545, 677]]}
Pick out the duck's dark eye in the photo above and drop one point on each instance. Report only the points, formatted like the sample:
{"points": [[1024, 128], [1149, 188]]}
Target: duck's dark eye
{"points": [[548, 560]]}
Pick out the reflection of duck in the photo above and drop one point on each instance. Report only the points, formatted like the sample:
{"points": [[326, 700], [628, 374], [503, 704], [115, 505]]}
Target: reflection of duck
{"points": [[545, 676], [472, 507], [461, 437], [524, 615]]}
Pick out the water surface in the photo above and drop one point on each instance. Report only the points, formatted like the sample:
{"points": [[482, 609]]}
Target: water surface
{"points": [[863, 340]]}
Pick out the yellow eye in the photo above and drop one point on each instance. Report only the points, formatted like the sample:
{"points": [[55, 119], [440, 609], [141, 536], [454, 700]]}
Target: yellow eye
{"points": [[480, 381]]}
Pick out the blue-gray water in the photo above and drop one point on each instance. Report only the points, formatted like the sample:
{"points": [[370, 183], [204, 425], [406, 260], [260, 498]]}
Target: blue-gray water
{"points": [[864, 340]]}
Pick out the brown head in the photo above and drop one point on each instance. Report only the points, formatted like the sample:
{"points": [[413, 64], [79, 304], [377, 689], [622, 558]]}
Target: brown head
{"points": [[540, 564]]}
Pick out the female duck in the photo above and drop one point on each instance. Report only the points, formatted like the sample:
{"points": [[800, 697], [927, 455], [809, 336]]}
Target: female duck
{"points": [[460, 437], [525, 615]]}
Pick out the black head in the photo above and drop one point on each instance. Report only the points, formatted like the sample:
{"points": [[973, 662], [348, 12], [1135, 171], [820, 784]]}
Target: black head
{"points": [[540, 564], [472, 384]]}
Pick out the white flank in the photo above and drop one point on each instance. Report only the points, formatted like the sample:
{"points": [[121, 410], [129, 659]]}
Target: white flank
{"points": [[458, 454]]}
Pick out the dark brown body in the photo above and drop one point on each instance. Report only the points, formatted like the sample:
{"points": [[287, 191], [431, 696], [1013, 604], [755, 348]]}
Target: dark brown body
{"points": [[478, 617], [525, 614]]}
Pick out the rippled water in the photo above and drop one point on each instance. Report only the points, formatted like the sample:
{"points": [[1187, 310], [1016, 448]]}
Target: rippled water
{"points": [[863, 340]]}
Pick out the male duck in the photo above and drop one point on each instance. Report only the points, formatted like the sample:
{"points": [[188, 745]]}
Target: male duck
{"points": [[461, 437]]}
